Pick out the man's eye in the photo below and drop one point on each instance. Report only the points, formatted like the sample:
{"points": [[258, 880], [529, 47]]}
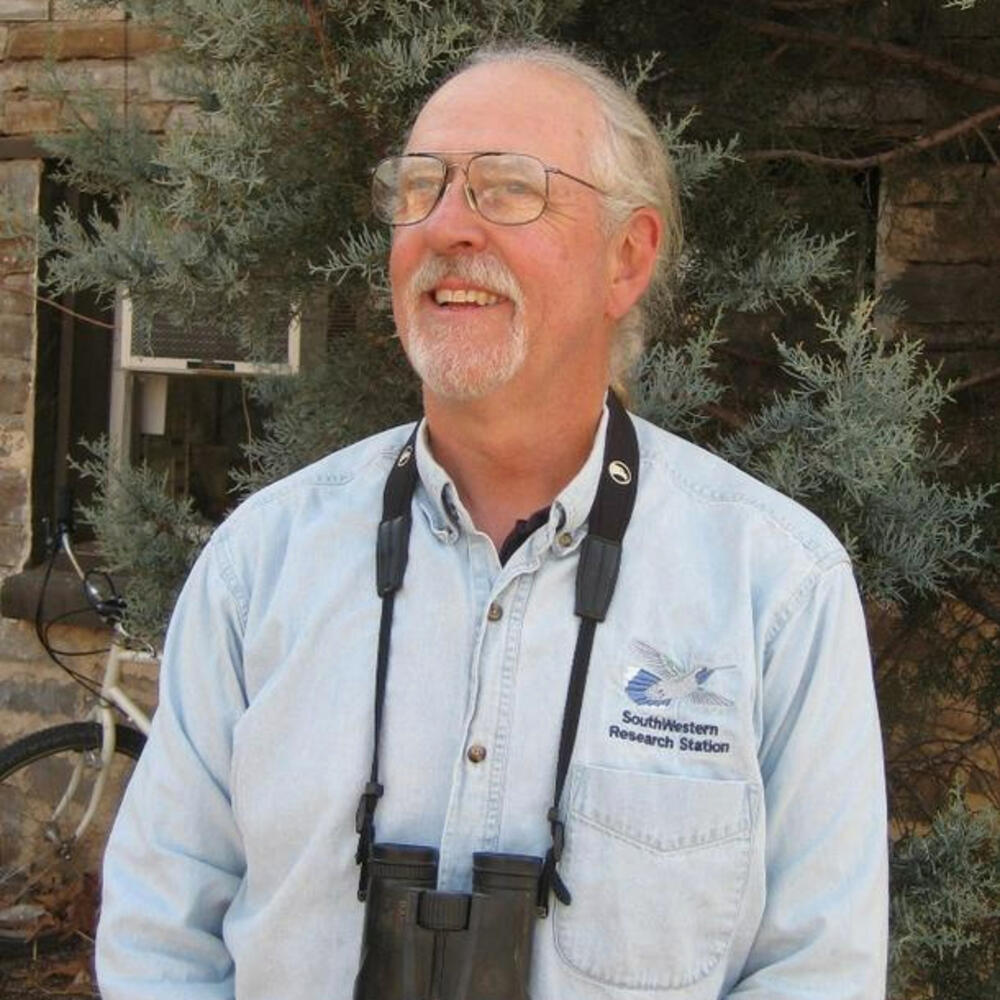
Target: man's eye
{"points": [[514, 187], [416, 185]]}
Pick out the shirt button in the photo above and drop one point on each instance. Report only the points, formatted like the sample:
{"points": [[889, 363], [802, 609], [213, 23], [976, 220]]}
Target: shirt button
{"points": [[495, 613], [565, 539], [476, 753]]}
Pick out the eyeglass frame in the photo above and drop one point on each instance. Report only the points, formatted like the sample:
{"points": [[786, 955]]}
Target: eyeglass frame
{"points": [[469, 194]]}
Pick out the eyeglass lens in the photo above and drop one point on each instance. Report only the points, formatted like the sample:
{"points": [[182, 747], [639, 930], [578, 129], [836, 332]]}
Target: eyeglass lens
{"points": [[506, 188]]}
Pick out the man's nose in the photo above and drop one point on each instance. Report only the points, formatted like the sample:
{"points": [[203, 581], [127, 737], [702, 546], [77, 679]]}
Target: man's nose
{"points": [[454, 222]]}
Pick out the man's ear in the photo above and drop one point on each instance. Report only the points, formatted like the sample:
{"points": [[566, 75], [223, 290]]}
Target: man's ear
{"points": [[632, 259]]}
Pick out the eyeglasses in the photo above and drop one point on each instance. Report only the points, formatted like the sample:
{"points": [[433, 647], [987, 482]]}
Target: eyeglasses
{"points": [[510, 189]]}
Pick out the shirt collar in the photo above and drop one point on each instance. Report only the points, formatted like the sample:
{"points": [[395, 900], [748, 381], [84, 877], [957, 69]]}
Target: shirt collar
{"points": [[448, 517]]}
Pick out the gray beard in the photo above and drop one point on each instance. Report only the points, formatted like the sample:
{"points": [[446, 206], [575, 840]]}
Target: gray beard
{"points": [[456, 365]]}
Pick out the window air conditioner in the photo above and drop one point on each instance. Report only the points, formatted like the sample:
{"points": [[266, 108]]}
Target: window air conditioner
{"points": [[173, 349]]}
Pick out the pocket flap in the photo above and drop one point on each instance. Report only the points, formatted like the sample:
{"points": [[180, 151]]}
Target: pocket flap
{"points": [[662, 812]]}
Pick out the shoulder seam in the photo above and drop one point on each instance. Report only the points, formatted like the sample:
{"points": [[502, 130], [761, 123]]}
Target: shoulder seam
{"points": [[813, 545], [799, 595], [227, 573]]}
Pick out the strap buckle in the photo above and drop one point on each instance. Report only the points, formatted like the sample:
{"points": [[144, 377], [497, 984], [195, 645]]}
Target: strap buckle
{"points": [[366, 806]]}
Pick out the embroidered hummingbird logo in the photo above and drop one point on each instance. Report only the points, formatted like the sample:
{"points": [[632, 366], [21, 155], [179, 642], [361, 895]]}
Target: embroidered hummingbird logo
{"points": [[663, 680]]}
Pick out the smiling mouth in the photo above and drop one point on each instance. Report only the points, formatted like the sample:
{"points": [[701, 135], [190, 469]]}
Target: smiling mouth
{"points": [[464, 297]]}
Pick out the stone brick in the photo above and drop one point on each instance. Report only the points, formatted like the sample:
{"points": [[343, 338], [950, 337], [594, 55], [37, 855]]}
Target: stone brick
{"points": [[14, 390], [12, 304], [943, 233], [16, 76], [948, 293], [33, 75], [13, 497], [15, 446], [17, 295], [16, 337], [24, 10], [3, 39], [13, 545], [16, 256], [18, 641], [83, 40], [19, 180], [22, 282], [67, 10], [31, 116], [905, 186], [154, 114], [184, 118], [32, 693]]}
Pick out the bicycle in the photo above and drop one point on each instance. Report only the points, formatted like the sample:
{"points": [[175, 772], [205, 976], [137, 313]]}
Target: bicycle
{"points": [[60, 787]]}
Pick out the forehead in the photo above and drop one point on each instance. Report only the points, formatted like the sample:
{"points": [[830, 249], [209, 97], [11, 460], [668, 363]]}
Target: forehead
{"points": [[512, 107]]}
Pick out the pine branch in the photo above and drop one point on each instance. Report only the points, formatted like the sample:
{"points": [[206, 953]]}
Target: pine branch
{"points": [[882, 50], [938, 138]]}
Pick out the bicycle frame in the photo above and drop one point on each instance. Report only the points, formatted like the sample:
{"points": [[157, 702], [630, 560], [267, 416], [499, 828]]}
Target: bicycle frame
{"points": [[111, 693]]}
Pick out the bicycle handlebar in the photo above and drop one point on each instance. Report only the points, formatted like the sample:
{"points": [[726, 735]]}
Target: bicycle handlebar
{"points": [[110, 608]]}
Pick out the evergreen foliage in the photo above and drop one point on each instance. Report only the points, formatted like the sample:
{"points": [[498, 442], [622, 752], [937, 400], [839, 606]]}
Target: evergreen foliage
{"points": [[946, 907], [149, 541], [260, 204], [850, 439]]}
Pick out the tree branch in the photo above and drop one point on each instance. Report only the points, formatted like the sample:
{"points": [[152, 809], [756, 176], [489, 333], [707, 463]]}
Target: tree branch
{"points": [[62, 308], [977, 600], [877, 159], [316, 20], [989, 376], [724, 415], [883, 50]]}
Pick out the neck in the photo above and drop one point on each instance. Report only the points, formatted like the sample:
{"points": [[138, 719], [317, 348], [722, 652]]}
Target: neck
{"points": [[507, 461]]}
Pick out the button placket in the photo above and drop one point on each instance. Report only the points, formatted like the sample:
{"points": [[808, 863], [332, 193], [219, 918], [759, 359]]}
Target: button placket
{"points": [[464, 820]]}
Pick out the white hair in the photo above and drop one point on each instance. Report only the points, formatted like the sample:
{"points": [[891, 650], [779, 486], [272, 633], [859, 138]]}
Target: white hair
{"points": [[630, 164]]}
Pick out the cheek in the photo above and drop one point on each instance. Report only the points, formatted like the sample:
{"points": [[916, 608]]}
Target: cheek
{"points": [[402, 264], [398, 269]]}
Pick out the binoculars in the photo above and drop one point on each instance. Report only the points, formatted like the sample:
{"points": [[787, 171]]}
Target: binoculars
{"points": [[422, 944]]}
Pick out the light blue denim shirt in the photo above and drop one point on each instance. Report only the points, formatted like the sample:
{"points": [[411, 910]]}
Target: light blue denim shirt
{"points": [[725, 808]]}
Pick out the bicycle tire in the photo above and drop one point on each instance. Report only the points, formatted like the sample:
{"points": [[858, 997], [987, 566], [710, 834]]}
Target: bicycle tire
{"points": [[49, 881]]}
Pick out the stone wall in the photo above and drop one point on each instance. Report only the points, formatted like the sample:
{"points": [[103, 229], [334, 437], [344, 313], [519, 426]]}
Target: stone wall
{"points": [[939, 251], [938, 269], [46, 46]]}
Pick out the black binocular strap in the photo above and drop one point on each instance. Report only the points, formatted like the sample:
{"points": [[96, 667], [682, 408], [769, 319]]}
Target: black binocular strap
{"points": [[596, 575], [391, 553]]}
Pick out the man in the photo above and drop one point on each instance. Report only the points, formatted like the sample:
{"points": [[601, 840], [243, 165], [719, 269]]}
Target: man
{"points": [[722, 819]]}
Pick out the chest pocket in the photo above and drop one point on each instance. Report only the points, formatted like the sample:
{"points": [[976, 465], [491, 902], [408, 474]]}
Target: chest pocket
{"points": [[658, 867]]}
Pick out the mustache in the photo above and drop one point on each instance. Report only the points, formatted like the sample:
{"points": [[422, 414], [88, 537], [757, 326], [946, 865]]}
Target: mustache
{"points": [[484, 271]]}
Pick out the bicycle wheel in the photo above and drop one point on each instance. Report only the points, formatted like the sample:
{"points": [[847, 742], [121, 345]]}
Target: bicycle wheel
{"points": [[49, 879]]}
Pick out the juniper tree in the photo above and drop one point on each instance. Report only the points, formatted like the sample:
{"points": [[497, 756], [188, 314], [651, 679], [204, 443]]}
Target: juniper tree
{"points": [[263, 203]]}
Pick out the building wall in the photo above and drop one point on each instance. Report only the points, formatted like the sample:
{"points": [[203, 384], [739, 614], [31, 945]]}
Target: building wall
{"points": [[46, 45]]}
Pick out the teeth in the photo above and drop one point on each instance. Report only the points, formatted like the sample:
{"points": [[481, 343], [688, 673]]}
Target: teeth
{"points": [[443, 296]]}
